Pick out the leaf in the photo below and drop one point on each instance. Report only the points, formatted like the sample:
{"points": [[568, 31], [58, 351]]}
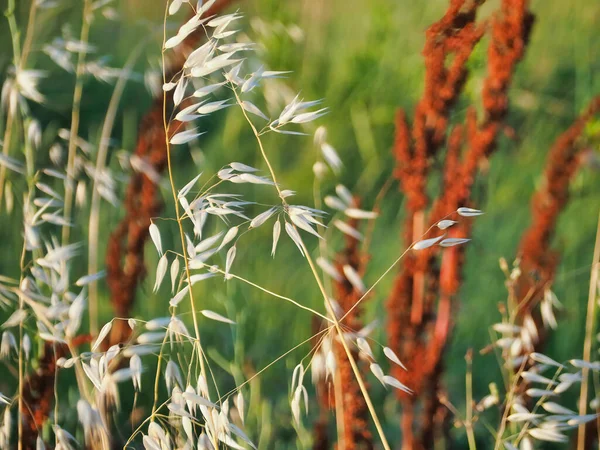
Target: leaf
{"points": [[393, 357], [218, 317], [161, 270], [426, 243], [276, 234], [103, 333]]}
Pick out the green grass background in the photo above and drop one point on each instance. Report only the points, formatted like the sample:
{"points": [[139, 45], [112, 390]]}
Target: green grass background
{"points": [[363, 58]]}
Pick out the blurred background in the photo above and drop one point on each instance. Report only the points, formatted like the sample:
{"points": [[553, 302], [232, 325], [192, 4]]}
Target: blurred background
{"points": [[363, 58]]}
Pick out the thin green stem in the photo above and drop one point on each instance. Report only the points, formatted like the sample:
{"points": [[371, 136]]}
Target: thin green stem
{"points": [[469, 406], [179, 218]]}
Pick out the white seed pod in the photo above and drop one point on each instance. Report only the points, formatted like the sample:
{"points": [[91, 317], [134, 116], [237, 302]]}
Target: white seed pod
{"points": [[330, 365], [391, 381], [263, 217], [426, 243], [155, 235], [328, 268], [347, 229], [161, 270], [543, 359], [468, 212], [389, 353], [365, 348], [276, 234], [215, 316], [354, 279], [103, 333], [444, 224]]}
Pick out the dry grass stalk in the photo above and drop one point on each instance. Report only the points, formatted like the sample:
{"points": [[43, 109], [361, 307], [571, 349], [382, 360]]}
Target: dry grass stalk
{"points": [[125, 254], [354, 422], [355, 412]]}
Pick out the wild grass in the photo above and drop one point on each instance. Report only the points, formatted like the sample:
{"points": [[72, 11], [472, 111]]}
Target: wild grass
{"points": [[240, 378]]}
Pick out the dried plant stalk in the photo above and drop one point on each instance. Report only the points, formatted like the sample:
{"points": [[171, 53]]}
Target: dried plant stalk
{"points": [[355, 413]]}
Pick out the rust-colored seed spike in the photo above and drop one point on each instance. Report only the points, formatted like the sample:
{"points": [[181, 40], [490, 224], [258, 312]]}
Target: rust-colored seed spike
{"points": [[422, 300], [538, 260], [38, 392]]}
